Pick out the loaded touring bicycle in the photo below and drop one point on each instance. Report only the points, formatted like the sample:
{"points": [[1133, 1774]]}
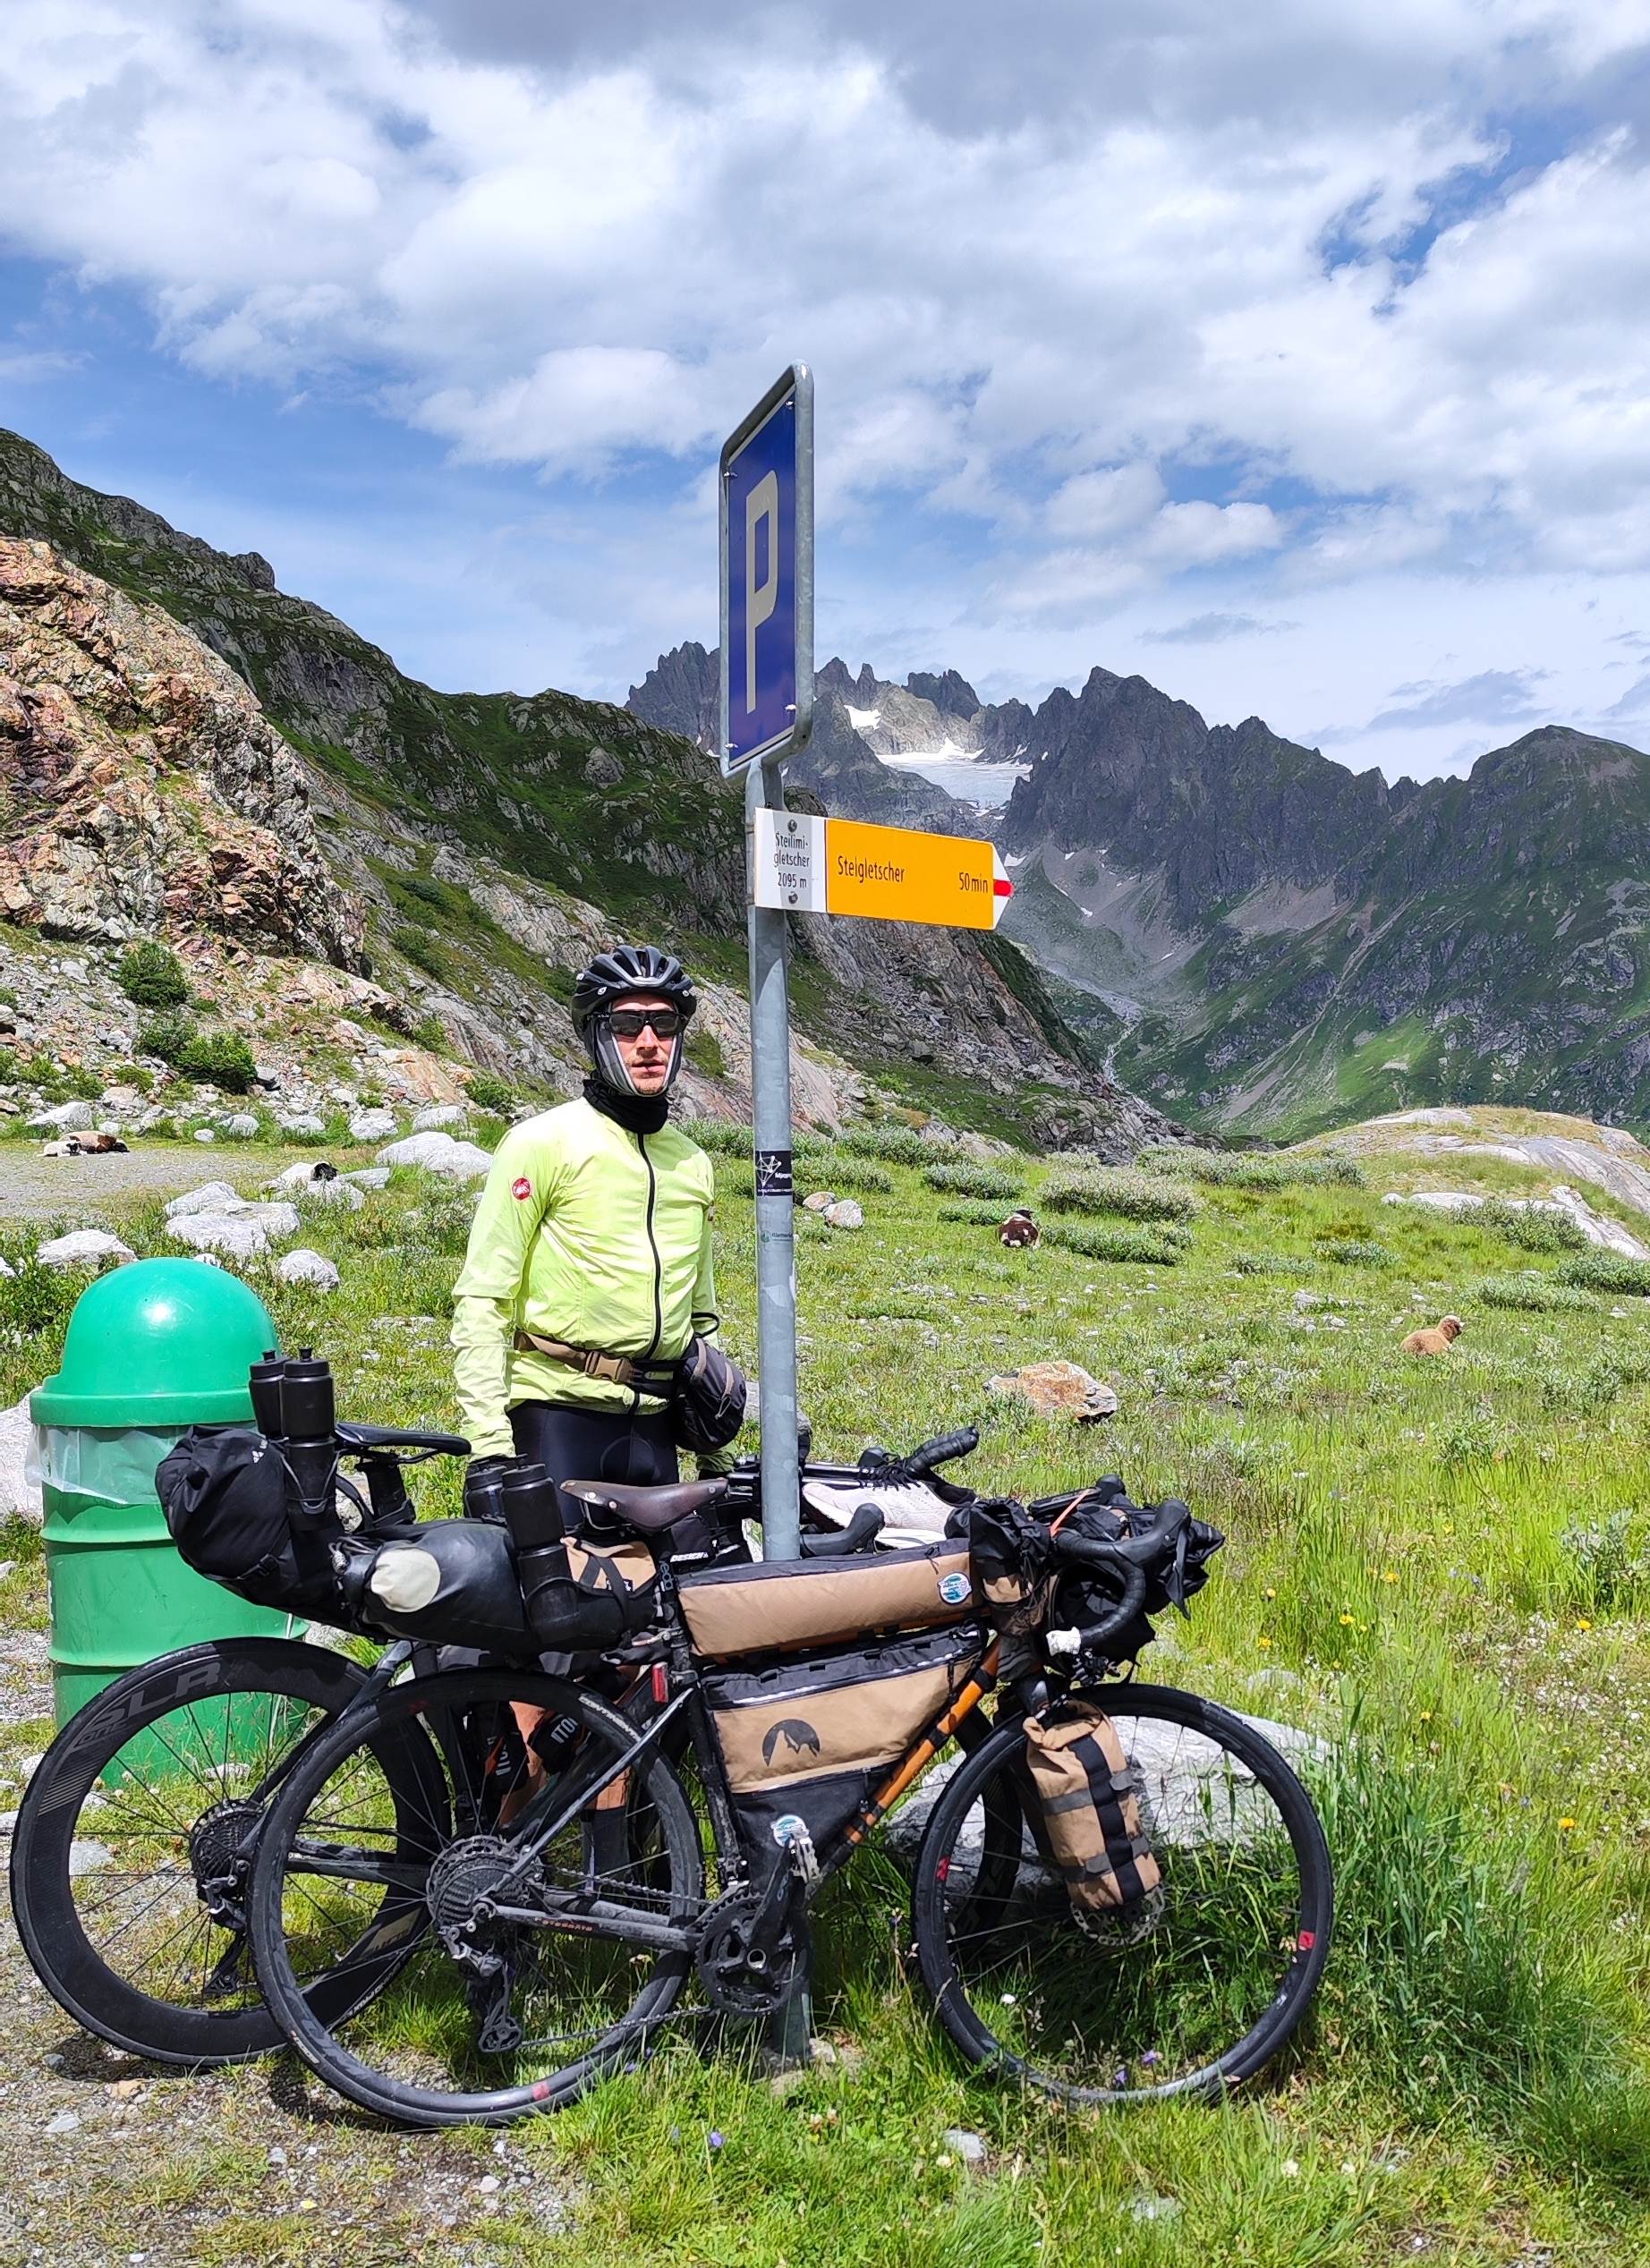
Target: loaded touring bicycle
{"points": [[472, 1887]]}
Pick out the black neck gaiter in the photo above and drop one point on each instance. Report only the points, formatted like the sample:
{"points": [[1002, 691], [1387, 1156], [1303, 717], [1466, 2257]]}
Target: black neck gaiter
{"points": [[638, 1114]]}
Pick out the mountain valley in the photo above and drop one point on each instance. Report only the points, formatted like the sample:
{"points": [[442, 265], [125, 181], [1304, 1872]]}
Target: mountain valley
{"points": [[1258, 939]]}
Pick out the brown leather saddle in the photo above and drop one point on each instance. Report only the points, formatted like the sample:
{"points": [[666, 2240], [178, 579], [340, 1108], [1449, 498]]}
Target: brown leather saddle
{"points": [[651, 1509]]}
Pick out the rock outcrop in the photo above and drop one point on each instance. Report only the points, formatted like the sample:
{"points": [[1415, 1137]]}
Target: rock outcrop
{"points": [[187, 751], [142, 790]]}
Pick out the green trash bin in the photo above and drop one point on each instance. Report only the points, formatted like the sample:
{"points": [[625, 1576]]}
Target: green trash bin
{"points": [[152, 1348]]}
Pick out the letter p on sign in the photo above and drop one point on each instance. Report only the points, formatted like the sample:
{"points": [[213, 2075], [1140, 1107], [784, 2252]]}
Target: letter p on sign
{"points": [[761, 572]]}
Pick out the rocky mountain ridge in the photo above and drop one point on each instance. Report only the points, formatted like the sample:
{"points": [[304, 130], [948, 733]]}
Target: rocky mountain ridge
{"points": [[185, 750], [1253, 933], [1285, 943]]}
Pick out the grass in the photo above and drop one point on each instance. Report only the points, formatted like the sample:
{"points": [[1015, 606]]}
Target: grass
{"points": [[1436, 1567]]}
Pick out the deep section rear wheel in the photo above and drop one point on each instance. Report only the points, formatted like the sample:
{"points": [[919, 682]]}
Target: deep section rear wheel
{"points": [[527, 1979], [130, 1859], [1190, 1994]]}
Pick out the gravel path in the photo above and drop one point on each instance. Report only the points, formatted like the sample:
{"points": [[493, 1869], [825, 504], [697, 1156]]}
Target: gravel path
{"points": [[82, 1189]]}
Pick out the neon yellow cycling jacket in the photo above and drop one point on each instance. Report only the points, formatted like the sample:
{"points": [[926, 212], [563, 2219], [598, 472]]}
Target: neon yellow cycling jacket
{"points": [[588, 1234]]}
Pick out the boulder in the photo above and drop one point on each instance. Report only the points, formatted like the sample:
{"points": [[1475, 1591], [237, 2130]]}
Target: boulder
{"points": [[819, 1201], [20, 1496], [65, 1117], [367, 1177], [438, 1153], [211, 1197], [436, 1115], [1059, 1389], [84, 1248], [372, 1125], [342, 1195], [303, 1122], [848, 1212], [239, 1229], [242, 1126], [305, 1267]]}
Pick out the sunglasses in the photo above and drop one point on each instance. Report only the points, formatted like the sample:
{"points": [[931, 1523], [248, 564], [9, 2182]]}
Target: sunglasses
{"points": [[630, 1024]]}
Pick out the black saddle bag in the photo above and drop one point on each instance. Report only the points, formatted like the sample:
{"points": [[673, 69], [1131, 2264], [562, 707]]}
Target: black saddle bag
{"points": [[224, 1491]]}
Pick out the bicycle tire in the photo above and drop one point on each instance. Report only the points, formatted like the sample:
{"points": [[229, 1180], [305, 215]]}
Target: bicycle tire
{"points": [[1240, 1938], [80, 1911], [411, 2057]]}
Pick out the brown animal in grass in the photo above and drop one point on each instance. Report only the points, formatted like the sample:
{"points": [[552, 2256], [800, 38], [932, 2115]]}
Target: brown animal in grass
{"points": [[1019, 1228], [1435, 1342]]}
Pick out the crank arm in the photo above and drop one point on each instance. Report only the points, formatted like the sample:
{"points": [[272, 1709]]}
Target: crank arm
{"points": [[228, 1975]]}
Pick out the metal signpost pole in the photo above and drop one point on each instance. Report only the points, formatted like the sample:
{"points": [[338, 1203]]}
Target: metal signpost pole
{"points": [[776, 1244], [766, 516]]}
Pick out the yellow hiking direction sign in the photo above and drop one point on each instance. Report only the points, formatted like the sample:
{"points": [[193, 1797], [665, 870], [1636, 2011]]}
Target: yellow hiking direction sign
{"points": [[806, 865]]}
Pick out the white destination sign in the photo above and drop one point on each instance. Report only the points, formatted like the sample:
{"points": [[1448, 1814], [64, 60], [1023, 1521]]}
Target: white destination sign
{"points": [[788, 868]]}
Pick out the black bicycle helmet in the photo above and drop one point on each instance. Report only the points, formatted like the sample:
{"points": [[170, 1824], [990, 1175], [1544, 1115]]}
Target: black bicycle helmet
{"points": [[612, 977], [620, 975]]}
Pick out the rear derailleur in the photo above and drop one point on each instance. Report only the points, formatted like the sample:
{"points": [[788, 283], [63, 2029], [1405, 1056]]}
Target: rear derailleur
{"points": [[465, 1880]]}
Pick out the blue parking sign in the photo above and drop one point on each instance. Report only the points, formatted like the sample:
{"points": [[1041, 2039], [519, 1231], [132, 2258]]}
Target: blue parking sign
{"points": [[766, 556]]}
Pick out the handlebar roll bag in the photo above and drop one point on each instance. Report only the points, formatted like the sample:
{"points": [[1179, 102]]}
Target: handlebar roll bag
{"points": [[814, 1739], [781, 1604], [1090, 1802]]}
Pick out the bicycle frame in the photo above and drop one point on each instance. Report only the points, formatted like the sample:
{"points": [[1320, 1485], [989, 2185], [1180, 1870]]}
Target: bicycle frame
{"points": [[554, 1809]]}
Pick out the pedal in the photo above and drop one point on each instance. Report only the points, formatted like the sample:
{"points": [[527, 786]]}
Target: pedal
{"points": [[791, 1834]]}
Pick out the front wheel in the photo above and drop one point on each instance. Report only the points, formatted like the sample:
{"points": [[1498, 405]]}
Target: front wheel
{"points": [[1196, 1989]]}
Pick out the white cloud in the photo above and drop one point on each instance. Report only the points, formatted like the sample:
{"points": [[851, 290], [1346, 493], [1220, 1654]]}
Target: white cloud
{"points": [[1117, 297]]}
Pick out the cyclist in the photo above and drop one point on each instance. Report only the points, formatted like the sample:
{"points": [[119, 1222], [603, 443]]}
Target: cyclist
{"points": [[589, 1267]]}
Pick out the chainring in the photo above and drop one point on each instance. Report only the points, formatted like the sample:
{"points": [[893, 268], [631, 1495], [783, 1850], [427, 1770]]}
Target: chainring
{"points": [[732, 1985]]}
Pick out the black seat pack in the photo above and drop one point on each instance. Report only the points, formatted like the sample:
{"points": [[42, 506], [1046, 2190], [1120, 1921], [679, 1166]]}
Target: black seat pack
{"points": [[224, 1493]]}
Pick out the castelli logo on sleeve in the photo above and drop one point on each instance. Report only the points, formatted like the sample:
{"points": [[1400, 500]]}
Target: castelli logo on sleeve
{"points": [[522, 1188]]}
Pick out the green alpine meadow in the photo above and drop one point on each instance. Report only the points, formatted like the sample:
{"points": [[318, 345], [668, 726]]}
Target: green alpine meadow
{"points": [[1437, 1570]]}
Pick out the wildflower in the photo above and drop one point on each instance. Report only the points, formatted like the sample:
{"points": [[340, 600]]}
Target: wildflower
{"points": [[1264, 1642], [1290, 2170], [1349, 2170], [1269, 1593], [714, 2138], [1582, 1623], [1347, 1620], [1566, 1824], [1390, 1575]]}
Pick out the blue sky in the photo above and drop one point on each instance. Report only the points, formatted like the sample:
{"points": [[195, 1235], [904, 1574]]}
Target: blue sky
{"points": [[1295, 356]]}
